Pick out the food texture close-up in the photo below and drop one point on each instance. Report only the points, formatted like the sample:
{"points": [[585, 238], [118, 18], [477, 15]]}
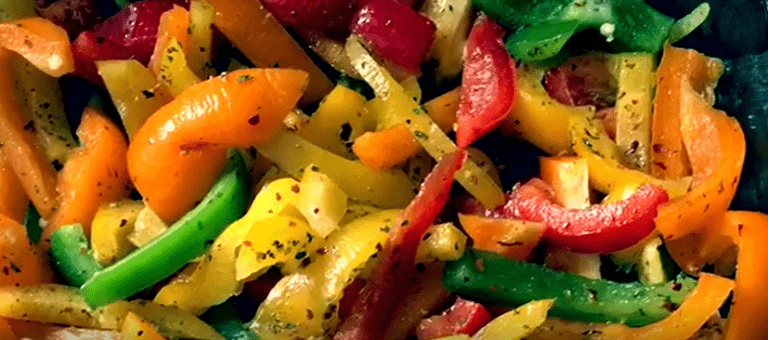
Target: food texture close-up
{"points": [[384, 169]]}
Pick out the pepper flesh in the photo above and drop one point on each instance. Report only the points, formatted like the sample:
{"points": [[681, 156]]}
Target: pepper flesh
{"points": [[187, 239], [41, 42], [72, 255], [489, 277], [174, 157], [373, 308], [488, 83], [598, 229]]}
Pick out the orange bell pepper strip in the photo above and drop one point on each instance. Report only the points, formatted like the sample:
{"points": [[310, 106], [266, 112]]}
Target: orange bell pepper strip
{"points": [[36, 174], [678, 66], [513, 239], [173, 24], [13, 199], [175, 156], [747, 318], [261, 38], [709, 245], [709, 295], [41, 42], [22, 263], [569, 178], [136, 328], [387, 148], [94, 175], [715, 145]]}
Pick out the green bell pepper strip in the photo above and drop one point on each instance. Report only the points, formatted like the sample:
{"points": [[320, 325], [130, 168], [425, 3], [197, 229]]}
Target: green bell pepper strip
{"points": [[186, 240], [224, 319], [489, 277], [72, 256], [543, 27]]}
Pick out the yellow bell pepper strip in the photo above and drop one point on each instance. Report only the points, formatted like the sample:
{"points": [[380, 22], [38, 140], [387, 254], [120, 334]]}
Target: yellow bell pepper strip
{"points": [[72, 256], [716, 147], [337, 122], [64, 305], [305, 304], [30, 164], [747, 319], [400, 108], [487, 84], [634, 104], [513, 239], [383, 189], [261, 38], [134, 91], [378, 299], [425, 295], [201, 15], [606, 174], [441, 242], [173, 70], [538, 118], [22, 263], [43, 102], [442, 109], [517, 323], [136, 328], [234, 110], [453, 21], [147, 227], [41, 42], [669, 158], [187, 239], [13, 200], [321, 201], [110, 228], [96, 174], [212, 280], [174, 24], [490, 277]]}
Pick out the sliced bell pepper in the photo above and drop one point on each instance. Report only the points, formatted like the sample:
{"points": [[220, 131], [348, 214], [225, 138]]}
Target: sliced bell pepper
{"points": [[441, 242], [64, 305], [110, 228], [634, 107], [487, 85], [716, 147], [597, 229], [513, 239], [261, 38], [13, 199], [538, 118], [400, 108], [136, 328], [13, 10], [489, 277], [212, 280], [423, 296], [187, 239], [175, 155], [96, 174], [714, 244], [23, 263], [453, 21], [36, 174], [72, 255], [464, 317], [201, 15], [569, 178], [41, 42], [172, 68], [372, 310], [516, 323], [337, 122], [386, 148], [174, 24], [746, 317], [669, 158]]}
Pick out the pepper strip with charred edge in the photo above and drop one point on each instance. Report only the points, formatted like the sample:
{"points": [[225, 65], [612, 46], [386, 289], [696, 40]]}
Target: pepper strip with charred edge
{"points": [[597, 229], [372, 310]]}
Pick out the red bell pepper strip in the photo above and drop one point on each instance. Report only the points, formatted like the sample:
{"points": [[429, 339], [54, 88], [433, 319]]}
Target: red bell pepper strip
{"points": [[395, 32], [373, 309], [597, 229], [488, 83], [464, 317]]}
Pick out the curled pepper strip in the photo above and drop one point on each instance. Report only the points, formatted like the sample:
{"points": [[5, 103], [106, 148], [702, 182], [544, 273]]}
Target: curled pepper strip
{"points": [[40, 41], [598, 229]]}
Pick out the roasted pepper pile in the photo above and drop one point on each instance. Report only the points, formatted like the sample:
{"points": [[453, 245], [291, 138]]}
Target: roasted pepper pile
{"points": [[382, 169]]}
